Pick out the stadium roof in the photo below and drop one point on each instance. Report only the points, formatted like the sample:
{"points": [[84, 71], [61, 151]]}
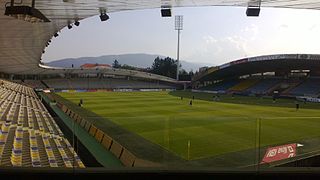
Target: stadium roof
{"points": [[22, 43], [88, 65], [109, 71], [260, 64]]}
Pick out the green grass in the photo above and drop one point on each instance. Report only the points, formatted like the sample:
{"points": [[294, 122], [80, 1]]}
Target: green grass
{"points": [[212, 128]]}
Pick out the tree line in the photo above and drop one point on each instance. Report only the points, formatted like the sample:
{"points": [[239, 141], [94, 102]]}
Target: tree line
{"points": [[161, 66]]}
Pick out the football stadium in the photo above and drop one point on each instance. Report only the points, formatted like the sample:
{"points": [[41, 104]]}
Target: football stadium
{"points": [[250, 115], [233, 115]]}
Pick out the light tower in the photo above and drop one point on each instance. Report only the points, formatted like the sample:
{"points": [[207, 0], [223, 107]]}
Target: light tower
{"points": [[178, 26]]}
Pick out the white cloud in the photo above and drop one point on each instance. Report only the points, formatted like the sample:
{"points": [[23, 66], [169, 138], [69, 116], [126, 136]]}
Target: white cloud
{"points": [[283, 26], [209, 39], [250, 31], [314, 27], [217, 50]]}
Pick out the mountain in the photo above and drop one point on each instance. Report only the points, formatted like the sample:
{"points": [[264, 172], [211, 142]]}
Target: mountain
{"points": [[136, 60]]}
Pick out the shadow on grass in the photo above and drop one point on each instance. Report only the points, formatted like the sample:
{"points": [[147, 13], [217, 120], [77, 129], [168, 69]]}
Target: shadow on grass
{"points": [[247, 100], [136, 144], [154, 152]]}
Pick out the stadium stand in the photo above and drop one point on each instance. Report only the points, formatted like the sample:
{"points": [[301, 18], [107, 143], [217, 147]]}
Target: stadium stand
{"points": [[221, 86], [31, 83], [243, 85], [263, 86], [279, 75], [288, 84], [95, 83], [29, 136], [310, 87]]}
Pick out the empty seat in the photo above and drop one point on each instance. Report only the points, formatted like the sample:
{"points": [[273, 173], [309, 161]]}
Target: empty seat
{"points": [[29, 136]]}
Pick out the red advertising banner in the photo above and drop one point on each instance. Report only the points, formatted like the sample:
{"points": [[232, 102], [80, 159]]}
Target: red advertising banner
{"points": [[239, 61], [279, 152]]}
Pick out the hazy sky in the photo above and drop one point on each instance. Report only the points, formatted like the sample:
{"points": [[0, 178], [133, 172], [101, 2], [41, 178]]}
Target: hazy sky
{"points": [[212, 35]]}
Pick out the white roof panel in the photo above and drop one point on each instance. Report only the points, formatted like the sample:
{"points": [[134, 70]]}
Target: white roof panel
{"points": [[22, 43]]}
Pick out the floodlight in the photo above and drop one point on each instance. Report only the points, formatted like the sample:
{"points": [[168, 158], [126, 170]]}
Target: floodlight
{"points": [[178, 25], [104, 17], [166, 12], [253, 11], [103, 14], [77, 23], [26, 13]]}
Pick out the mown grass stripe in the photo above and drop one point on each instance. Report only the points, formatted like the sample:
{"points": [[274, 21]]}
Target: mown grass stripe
{"points": [[213, 128]]}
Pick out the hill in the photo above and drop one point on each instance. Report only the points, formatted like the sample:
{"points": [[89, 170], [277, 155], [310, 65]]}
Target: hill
{"points": [[137, 60]]}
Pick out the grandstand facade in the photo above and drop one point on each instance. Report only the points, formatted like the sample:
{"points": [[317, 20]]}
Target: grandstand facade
{"points": [[288, 75], [93, 83]]}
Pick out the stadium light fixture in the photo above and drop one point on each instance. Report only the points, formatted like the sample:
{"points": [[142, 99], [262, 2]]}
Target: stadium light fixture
{"points": [[56, 35], [253, 11], [253, 8], [26, 13], [77, 23], [103, 14], [104, 17], [69, 26], [166, 11]]}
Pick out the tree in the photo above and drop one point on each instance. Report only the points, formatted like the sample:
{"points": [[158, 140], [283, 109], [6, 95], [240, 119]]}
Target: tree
{"points": [[125, 66], [183, 72], [116, 64], [166, 67], [191, 73]]}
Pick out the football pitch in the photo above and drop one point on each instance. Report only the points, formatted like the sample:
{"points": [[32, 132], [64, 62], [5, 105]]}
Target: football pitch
{"points": [[207, 128]]}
